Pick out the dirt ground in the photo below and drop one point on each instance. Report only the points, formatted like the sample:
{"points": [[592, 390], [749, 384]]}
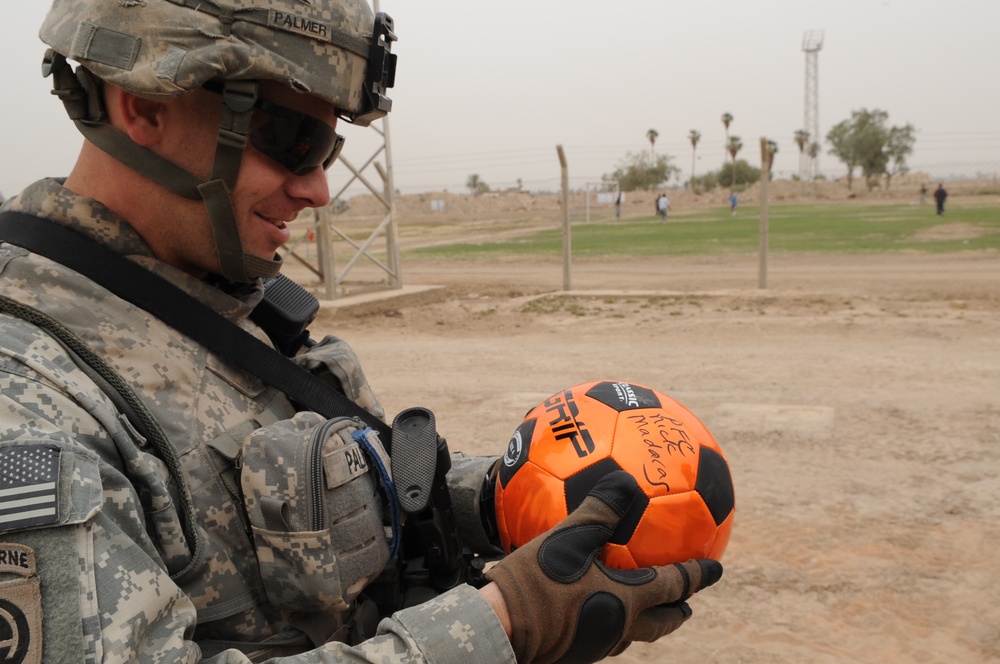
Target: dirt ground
{"points": [[858, 403]]}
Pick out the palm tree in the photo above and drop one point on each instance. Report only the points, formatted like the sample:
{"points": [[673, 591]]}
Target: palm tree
{"points": [[813, 151], [652, 135], [726, 119], [694, 136], [772, 149], [733, 147], [473, 184], [802, 139]]}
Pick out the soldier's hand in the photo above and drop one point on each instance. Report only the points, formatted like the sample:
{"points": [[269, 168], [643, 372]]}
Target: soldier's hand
{"points": [[563, 602]]}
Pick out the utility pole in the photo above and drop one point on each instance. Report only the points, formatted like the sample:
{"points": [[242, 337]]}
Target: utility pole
{"points": [[767, 151], [567, 246]]}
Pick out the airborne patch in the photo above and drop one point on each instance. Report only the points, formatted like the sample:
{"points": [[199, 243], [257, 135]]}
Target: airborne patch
{"points": [[20, 606]]}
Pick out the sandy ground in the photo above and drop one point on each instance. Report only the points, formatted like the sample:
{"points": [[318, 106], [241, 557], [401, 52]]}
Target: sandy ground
{"points": [[858, 401]]}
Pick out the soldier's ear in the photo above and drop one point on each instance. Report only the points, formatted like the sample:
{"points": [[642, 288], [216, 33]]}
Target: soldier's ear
{"points": [[141, 119]]}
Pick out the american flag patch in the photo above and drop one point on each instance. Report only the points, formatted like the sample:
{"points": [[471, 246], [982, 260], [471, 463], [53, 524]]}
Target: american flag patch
{"points": [[29, 485]]}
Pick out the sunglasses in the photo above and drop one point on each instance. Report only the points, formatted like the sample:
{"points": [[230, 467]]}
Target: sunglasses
{"points": [[294, 139]]}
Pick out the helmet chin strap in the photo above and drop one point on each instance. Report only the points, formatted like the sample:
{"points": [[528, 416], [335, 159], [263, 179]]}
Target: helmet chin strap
{"points": [[238, 99], [81, 98]]}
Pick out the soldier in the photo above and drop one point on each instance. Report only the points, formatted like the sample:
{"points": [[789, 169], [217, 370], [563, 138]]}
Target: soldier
{"points": [[152, 500]]}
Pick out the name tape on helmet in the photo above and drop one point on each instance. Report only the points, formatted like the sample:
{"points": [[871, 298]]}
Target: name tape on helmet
{"points": [[316, 29], [301, 24]]}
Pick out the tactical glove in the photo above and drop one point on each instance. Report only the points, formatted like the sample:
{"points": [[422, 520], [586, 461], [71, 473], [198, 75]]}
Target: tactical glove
{"points": [[565, 605]]}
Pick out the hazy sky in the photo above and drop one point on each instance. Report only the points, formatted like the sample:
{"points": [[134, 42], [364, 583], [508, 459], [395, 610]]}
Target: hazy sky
{"points": [[491, 89]]}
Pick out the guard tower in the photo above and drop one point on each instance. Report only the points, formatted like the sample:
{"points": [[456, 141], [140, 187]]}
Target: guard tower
{"points": [[812, 42]]}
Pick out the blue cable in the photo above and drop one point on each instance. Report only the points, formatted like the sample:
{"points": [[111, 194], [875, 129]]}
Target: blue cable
{"points": [[385, 479]]}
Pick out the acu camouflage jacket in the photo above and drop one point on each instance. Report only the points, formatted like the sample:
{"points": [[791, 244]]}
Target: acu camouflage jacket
{"points": [[97, 562]]}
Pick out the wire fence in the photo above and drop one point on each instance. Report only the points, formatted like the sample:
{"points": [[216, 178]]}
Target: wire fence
{"points": [[433, 219], [948, 172]]}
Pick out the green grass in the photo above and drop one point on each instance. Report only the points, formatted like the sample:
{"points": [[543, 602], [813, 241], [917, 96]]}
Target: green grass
{"points": [[844, 228]]}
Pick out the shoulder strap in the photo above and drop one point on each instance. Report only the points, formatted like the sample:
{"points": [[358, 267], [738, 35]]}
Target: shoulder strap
{"points": [[173, 306]]}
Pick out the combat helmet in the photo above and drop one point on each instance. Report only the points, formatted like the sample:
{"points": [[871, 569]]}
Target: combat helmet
{"points": [[336, 50]]}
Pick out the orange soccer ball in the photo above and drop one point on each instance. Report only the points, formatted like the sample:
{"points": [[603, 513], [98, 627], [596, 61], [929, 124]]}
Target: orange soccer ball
{"points": [[576, 436]]}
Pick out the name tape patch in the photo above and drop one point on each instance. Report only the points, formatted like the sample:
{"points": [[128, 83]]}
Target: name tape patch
{"points": [[301, 24], [344, 464]]}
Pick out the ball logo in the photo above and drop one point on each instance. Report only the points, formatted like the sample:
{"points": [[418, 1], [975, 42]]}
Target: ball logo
{"points": [[564, 412], [15, 634], [626, 395], [513, 452]]}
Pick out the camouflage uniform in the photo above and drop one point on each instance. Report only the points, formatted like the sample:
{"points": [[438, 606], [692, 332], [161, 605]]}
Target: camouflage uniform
{"points": [[97, 560]]}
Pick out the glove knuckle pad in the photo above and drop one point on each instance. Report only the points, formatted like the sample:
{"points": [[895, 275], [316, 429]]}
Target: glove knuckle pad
{"points": [[599, 628]]}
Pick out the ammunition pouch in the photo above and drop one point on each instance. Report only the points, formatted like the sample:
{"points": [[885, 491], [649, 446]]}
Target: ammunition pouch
{"points": [[315, 511]]}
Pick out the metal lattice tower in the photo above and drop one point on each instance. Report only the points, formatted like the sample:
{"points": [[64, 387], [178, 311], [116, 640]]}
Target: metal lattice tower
{"points": [[326, 230], [812, 42]]}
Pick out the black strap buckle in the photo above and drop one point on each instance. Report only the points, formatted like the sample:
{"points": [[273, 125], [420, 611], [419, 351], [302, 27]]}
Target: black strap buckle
{"points": [[239, 95], [381, 72]]}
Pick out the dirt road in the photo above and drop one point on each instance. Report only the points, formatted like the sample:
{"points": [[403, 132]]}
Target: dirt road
{"points": [[859, 406]]}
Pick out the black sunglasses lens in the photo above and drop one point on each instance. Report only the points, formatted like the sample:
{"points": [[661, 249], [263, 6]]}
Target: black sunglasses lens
{"points": [[297, 141]]}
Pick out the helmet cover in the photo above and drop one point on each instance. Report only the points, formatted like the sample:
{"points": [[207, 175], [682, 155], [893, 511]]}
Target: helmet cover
{"points": [[158, 49]]}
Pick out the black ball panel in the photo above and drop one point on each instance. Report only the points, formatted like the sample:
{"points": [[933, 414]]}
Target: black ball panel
{"points": [[715, 484], [624, 396]]}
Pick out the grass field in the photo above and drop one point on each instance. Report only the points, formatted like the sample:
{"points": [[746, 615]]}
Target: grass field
{"points": [[838, 228]]}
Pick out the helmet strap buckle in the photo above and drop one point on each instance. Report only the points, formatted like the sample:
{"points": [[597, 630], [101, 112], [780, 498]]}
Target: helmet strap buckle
{"points": [[77, 90], [381, 73], [239, 96]]}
